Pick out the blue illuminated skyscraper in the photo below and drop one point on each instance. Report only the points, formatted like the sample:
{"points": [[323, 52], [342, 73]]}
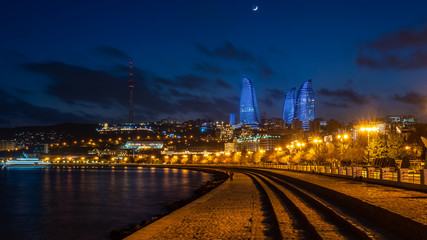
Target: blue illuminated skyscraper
{"points": [[232, 119], [288, 112], [304, 109], [248, 104]]}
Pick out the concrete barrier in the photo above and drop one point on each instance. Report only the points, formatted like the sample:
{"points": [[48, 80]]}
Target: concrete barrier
{"points": [[402, 175], [383, 173], [423, 175], [371, 171], [349, 171], [357, 172]]}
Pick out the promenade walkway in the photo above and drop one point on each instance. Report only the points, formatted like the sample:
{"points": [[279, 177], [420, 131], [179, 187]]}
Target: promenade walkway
{"points": [[411, 204], [237, 210], [231, 211]]}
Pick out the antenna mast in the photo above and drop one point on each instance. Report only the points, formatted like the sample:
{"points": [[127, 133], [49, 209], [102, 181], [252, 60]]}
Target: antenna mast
{"points": [[131, 93]]}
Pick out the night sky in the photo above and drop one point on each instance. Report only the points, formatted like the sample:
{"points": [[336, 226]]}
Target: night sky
{"points": [[68, 61]]}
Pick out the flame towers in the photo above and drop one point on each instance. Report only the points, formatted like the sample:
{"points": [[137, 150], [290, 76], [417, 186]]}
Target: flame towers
{"points": [[248, 104], [288, 112], [304, 108]]}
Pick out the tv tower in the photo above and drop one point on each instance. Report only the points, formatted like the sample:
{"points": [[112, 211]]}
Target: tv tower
{"points": [[131, 94]]}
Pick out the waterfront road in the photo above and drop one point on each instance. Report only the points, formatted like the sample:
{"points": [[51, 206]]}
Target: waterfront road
{"points": [[274, 204], [231, 211]]}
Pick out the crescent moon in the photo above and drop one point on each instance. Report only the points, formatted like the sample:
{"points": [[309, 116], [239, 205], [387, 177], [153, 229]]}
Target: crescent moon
{"points": [[255, 8]]}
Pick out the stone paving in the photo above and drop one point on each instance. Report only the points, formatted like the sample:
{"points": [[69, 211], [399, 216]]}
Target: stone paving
{"points": [[231, 211], [411, 204]]}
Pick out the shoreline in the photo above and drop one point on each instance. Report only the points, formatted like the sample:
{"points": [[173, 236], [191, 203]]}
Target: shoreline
{"points": [[218, 177]]}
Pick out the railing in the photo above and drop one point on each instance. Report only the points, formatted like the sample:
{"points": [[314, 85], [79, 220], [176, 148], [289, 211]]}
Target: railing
{"points": [[418, 177]]}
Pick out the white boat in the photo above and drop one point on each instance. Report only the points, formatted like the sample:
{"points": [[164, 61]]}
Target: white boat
{"points": [[26, 162]]}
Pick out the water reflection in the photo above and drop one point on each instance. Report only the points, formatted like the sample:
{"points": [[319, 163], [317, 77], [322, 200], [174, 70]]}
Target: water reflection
{"points": [[77, 203]]}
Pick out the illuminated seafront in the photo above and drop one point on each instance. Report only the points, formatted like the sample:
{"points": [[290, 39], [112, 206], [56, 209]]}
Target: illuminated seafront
{"points": [[275, 204]]}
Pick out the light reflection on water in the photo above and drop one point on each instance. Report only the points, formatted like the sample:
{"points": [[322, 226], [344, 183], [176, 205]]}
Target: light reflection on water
{"points": [[86, 203]]}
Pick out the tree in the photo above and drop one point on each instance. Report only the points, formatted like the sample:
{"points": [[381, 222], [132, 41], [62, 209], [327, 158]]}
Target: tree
{"points": [[396, 148], [376, 150]]}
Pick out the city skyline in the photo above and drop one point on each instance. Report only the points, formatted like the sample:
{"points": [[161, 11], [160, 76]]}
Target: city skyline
{"points": [[65, 62]]}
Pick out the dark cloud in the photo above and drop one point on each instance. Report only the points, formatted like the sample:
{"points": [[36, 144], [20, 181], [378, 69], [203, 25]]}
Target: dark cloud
{"points": [[207, 68], [400, 39], [402, 50], [234, 98], [227, 50], [345, 95], [265, 72], [192, 82], [412, 98], [203, 49], [73, 83], [399, 61], [222, 84], [112, 52], [164, 81], [18, 111], [275, 93], [208, 108], [335, 105], [178, 94], [266, 102], [154, 97]]}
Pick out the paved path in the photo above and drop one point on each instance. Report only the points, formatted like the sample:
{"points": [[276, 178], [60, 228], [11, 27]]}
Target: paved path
{"points": [[231, 211], [411, 204]]}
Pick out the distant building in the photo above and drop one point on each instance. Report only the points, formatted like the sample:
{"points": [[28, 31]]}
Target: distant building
{"points": [[332, 126], [274, 123], [315, 125], [269, 143], [206, 148], [230, 147], [296, 124], [41, 149], [232, 119], [304, 109], [288, 112], [404, 120], [248, 104], [143, 145], [248, 144], [7, 145], [164, 121], [125, 127]]}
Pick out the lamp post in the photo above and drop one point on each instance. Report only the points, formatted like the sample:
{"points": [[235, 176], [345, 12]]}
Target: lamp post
{"points": [[317, 141], [368, 130], [342, 138]]}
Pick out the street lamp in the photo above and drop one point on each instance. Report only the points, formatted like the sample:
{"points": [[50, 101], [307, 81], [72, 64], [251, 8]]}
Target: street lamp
{"points": [[368, 130], [317, 141], [342, 138]]}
